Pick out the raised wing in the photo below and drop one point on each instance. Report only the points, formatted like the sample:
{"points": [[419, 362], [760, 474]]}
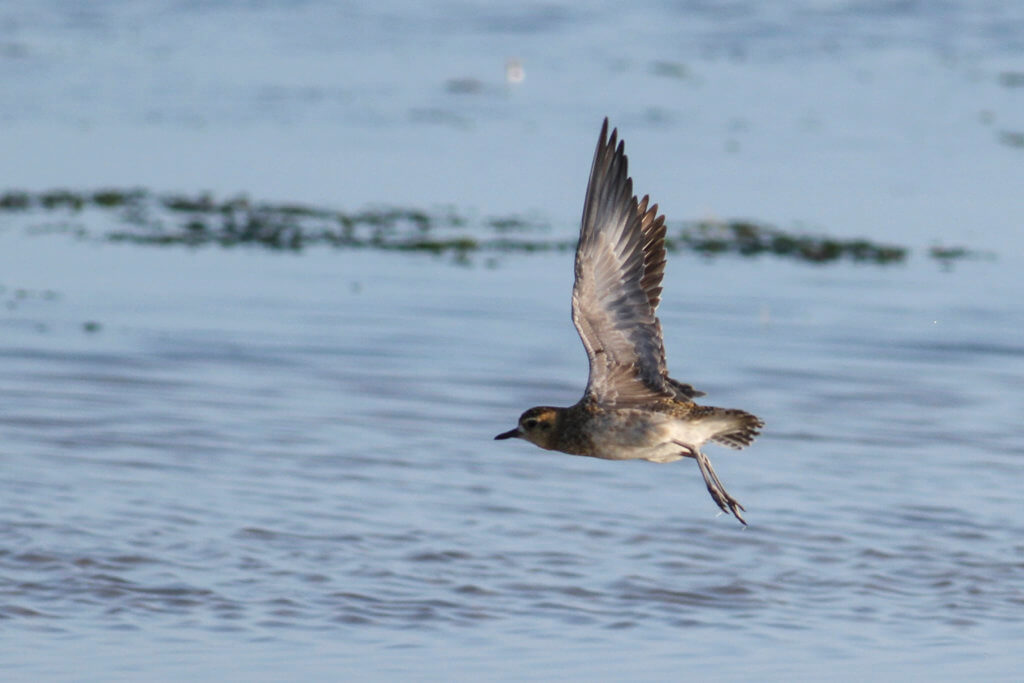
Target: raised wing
{"points": [[620, 261]]}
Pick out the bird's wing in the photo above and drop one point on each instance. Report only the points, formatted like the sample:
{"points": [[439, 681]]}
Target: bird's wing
{"points": [[620, 261]]}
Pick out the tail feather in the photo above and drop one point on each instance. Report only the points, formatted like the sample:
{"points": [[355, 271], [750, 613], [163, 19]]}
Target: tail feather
{"points": [[737, 428]]}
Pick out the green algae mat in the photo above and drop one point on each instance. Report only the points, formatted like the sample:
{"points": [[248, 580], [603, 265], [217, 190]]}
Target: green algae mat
{"points": [[142, 216]]}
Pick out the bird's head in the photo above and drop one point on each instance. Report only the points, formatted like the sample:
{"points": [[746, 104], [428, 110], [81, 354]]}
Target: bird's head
{"points": [[536, 425]]}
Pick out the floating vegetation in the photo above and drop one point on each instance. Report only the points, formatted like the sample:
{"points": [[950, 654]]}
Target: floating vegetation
{"points": [[57, 199], [949, 255], [749, 239], [113, 198], [15, 201], [141, 217]]}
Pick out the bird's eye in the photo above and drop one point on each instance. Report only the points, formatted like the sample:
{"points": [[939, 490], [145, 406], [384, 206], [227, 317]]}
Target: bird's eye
{"points": [[530, 423]]}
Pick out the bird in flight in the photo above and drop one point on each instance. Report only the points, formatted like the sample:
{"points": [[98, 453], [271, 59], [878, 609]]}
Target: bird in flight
{"points": [[631, 409]]}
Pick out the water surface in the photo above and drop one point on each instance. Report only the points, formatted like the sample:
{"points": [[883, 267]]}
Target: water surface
{"points": [[258, 465]]}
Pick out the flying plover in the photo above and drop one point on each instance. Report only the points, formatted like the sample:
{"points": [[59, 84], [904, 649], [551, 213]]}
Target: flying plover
{"points": [[631, 409]]}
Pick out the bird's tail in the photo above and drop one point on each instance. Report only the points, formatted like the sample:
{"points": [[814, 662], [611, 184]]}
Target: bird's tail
{"points": [[733, 428]]}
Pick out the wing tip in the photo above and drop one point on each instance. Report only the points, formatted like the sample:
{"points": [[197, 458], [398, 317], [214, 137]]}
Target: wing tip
{"points": [[610, 143]]}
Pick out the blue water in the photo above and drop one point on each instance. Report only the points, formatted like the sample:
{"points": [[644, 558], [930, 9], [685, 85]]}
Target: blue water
{"points": [[233, 463]]}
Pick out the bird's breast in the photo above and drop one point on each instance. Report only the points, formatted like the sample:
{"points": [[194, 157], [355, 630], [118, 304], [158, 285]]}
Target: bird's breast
{"points": [[629, 434]]}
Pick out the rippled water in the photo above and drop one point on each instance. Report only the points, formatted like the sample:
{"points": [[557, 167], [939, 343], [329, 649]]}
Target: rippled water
{"points": [[261, 465], [292, 457]]}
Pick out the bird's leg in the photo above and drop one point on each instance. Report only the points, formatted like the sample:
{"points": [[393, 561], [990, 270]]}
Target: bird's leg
{"points": [[717, 491], [727, 503]]}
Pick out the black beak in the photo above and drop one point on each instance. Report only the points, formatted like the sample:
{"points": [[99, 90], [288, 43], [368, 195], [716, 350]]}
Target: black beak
{"points": [[508, 435]]}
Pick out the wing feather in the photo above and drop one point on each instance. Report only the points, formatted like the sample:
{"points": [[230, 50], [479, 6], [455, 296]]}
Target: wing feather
{"points": [[620, 262]]}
